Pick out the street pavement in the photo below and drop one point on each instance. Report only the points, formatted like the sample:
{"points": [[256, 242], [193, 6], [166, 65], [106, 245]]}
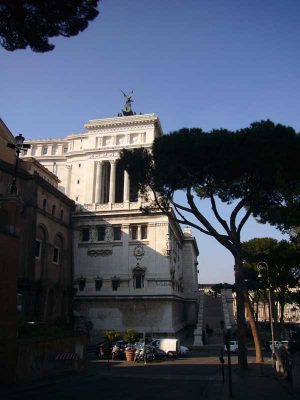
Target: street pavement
{"points": [[196, 376]]}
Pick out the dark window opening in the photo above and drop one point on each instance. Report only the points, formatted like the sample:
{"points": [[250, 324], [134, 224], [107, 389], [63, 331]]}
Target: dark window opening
{"points": [[101, 233], [56, 255], [134, 232], [139, 281], [85, 232], [53, 210], [38, 248], [44, 204], [115, 283], [117, 233], [98, 284], [105, 182], [119, 183], [81, 284], [144, 232], [133, 194], [61, 214]]}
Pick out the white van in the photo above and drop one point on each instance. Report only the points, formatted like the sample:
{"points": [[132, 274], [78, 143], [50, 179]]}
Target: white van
{"points": [[170, 346]]}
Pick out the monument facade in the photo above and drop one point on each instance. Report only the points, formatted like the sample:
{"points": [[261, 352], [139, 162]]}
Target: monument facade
{"points": [[131, 269]]}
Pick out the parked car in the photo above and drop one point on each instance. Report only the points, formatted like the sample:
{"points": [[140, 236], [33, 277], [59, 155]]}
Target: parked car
{"points": [[183, 350], [233, 346]]}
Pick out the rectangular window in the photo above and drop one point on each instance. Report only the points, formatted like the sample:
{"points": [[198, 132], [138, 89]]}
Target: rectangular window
{"points": [[85, 234], [139, 282], [144, 232], [45, 150], [117, 233], [38, 248], [101, 233], [56, 255], [134, 232], [65, 150]]}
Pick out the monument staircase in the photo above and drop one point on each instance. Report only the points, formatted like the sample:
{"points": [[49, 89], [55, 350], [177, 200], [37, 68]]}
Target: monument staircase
{"points": [[212, 310]]}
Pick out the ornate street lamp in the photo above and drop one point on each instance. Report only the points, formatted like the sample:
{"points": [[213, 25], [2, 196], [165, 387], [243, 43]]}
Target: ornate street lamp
{"points": [[18, 146], [263, 266]]}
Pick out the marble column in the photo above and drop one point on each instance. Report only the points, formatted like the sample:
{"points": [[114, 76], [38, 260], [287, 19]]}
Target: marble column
{"points": [[98, 181], [69, 171], [112, 181], [126, 187]]}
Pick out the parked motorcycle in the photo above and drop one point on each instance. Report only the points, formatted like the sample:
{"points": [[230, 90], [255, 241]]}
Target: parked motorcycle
{"points": [[118, 352], [144, 353]]}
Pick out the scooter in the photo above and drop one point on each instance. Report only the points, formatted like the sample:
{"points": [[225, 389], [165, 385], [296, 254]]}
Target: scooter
{"points": [[140, 354]]}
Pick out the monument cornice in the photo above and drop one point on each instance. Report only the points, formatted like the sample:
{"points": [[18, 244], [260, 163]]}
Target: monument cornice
{"points": [[122, 121]]}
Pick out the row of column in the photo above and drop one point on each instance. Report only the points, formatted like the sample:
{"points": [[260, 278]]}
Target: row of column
{"points": [[112, 183]]}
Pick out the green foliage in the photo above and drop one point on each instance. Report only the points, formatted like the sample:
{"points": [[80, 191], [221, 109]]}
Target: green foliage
{"points": [[283, 259], [255, 170], [131, 335], [111, 336], [258, 164], [31, 23]]}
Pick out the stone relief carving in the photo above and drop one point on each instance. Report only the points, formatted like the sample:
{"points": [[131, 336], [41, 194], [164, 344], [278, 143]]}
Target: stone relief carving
{"points": [[139, 252], [108, 233], [99, 252], [104, 155]]}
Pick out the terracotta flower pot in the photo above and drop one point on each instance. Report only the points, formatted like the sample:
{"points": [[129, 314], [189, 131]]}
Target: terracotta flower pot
{"points": [[129, 355]]}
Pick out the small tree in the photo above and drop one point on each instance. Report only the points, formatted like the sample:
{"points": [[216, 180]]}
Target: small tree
{"points": [[111, 336], [131, 335]]}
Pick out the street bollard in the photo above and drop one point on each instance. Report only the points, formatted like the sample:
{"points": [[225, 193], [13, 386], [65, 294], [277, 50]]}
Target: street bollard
{"points": [[222, 361]]}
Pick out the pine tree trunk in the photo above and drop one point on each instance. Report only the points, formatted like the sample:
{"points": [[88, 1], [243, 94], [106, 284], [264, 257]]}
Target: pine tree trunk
{"points": [[258, 352], [240, 313]]}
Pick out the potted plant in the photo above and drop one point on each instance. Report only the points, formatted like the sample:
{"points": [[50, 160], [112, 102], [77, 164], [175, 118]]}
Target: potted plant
{"points": [[131, 336], [109, 338]]}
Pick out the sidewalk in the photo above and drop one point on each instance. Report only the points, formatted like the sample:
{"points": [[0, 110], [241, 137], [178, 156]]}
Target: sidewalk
{"points": [[197, 376], [259, 382]]}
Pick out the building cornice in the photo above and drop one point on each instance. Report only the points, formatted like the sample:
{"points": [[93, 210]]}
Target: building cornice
{"points": [[123, 121]]}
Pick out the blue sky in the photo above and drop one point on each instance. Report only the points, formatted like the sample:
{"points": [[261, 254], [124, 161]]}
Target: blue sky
{"points": [[195, 63]]}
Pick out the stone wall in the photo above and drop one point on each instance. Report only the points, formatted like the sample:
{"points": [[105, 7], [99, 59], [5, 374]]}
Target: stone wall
{"points": [[36, 359]]}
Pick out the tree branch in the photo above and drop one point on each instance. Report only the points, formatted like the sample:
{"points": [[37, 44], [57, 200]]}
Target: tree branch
{"points": [[223, 239], [234, 214], [243, 221], [217, 215]]}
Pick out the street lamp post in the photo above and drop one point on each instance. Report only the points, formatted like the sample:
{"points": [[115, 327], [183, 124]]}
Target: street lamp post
{"points": [[18, 146], [263, 266]]}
